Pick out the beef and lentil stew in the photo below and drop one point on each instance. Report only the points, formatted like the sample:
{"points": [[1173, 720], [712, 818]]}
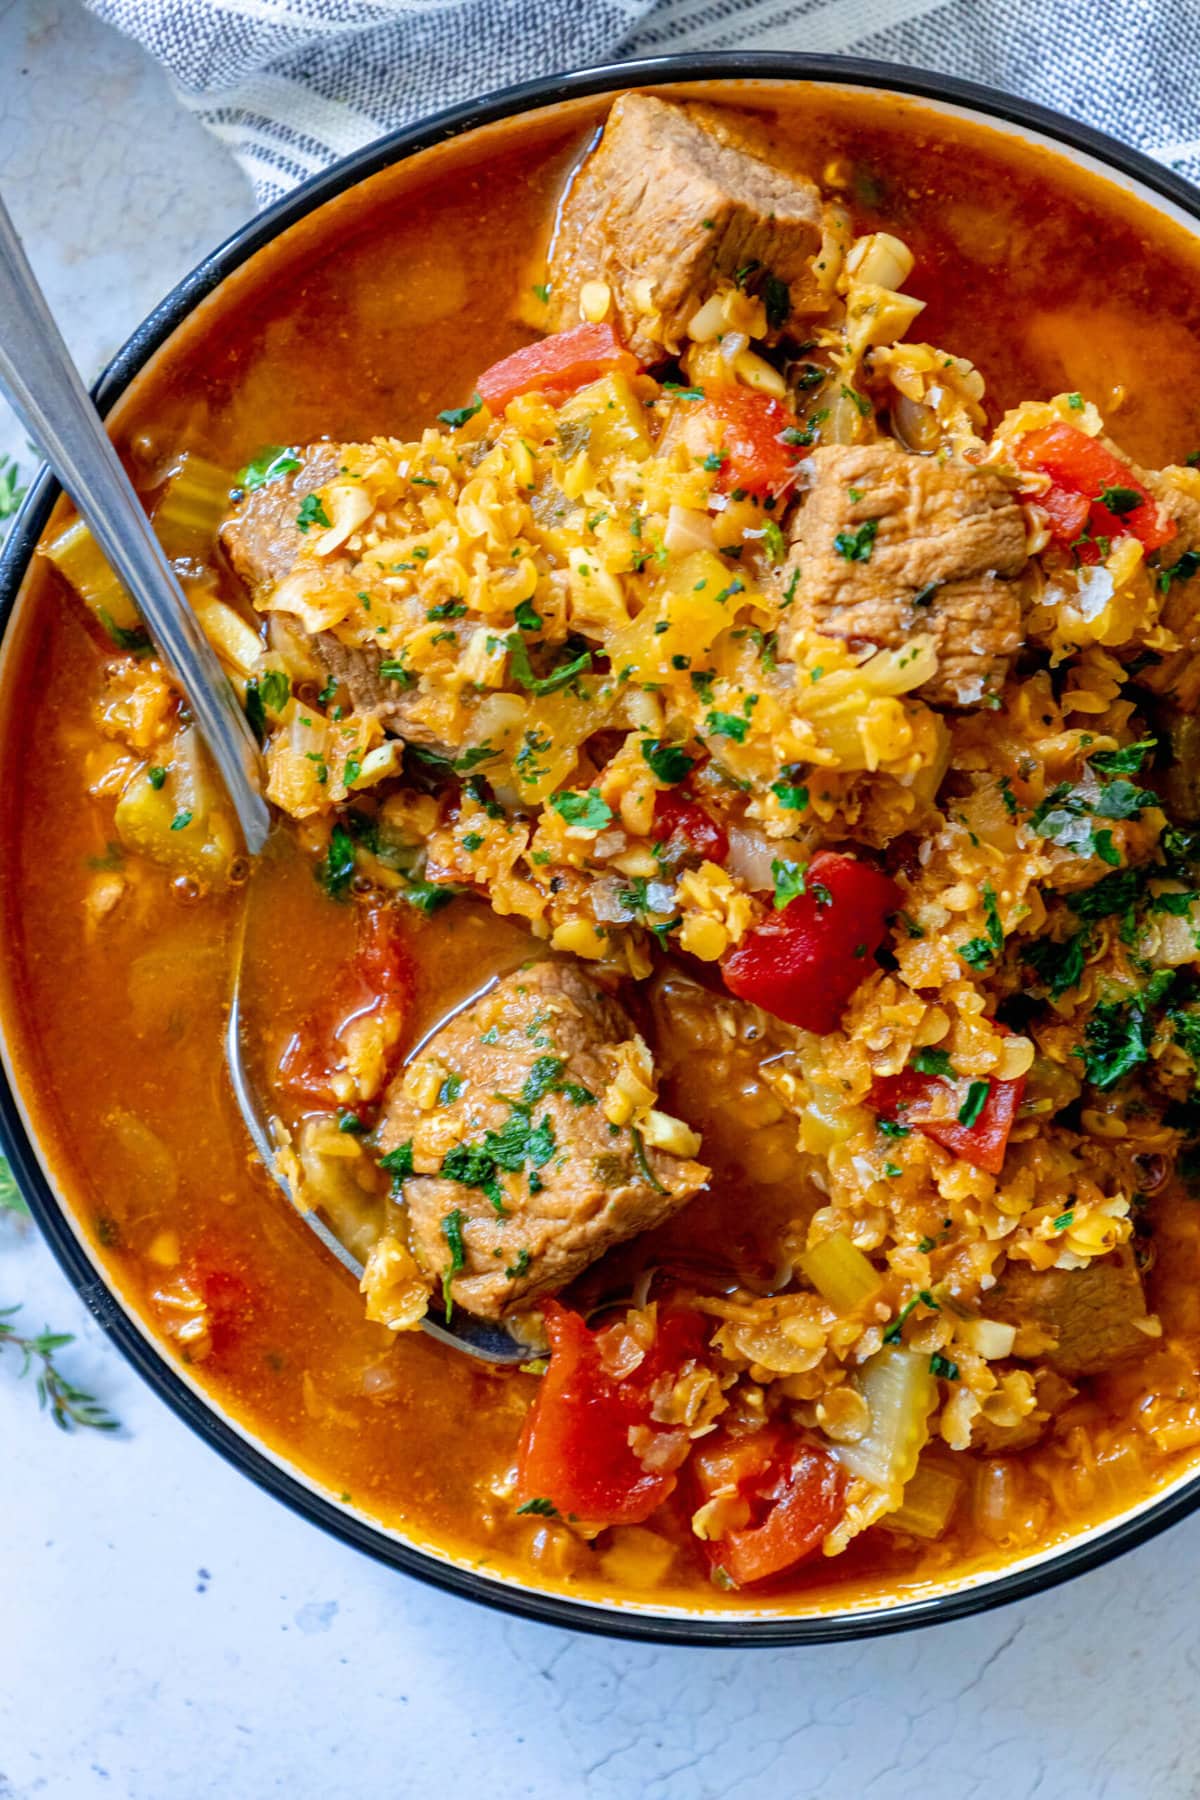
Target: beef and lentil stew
{"points": [[718, 605]]}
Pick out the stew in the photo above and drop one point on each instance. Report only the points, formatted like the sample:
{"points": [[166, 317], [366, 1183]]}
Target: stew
{"points": [[725, 670]]}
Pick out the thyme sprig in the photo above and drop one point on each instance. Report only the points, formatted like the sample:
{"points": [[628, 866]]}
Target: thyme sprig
{"points": [[69, 1406]]}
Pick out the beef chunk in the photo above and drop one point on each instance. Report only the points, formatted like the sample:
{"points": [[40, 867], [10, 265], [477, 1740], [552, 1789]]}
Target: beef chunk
{"points": [[888, 545], [260, 538], [262, 542], [667, 202], [517, 1145], [1077, 1321]]}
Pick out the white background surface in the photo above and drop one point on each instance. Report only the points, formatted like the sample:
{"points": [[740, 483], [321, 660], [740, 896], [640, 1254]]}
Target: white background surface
{"points": [[169, 1633]]}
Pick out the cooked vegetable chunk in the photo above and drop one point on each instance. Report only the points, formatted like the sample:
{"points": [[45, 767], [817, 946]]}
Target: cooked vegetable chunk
{"points": [[665, 205], [578, 1446], [532, 1131], [888, 546]]}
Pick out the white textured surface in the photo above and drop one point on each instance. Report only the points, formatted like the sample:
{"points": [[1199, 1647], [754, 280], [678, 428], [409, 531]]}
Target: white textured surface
{"points": [[169, 1633]]}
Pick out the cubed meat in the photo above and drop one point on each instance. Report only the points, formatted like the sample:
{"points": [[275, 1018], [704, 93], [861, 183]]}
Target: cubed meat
{"points": [[1076, 1321], [888, 546], [260, 537], [667, 203], [262, 540], [521, 1177]]}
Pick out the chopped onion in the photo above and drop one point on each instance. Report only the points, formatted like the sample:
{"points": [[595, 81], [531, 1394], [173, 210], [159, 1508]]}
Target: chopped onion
{"points": [[751, 854], [688, 530]]}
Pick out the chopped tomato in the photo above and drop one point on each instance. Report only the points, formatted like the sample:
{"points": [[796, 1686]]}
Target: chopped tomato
{"points": [[757, 460], [911, 1098], [686, 829], [575, 1449], [556, 365], [224, 1283], [376, 981], [804, 962], [1091, 491], [785, 1490]]}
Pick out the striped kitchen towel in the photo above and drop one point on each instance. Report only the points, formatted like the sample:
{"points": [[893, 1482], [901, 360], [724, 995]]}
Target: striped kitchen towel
{"points": [[292, 84]]}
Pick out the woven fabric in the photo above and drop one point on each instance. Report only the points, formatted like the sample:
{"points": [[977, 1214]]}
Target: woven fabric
{"points": [[290, 85]]}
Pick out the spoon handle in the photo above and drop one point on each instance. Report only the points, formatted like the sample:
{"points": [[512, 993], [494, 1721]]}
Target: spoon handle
{"points": [[43, 384]]}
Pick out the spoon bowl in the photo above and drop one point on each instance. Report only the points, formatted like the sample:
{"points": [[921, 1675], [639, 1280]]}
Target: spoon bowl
{"points": [[480, 1338]]}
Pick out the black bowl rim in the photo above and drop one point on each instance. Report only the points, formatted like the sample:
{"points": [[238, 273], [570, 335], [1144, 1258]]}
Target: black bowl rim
{"points": [[131, 1339]]}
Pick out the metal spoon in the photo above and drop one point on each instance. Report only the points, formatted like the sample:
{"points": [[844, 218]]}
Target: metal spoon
{"points": [[481, 1338], [37, 374]]}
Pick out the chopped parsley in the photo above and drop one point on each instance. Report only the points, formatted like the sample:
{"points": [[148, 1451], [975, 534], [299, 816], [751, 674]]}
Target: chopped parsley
{"points": [[1118, 1033], [399, 1165], [526, 617], [540, 1507], [181, 821], [789, 881], [156, 777], [336, 868], [312, 512], [1120, 500], [941, 1365], [1059, 965], [923, 1297], [856, 546], [452, 1231], [723, 724], [270, 463], [981, 952], [669, 763], [790, 794], [542, 1079], [973, 1105], [454, 416], [1181, 570], [1123, 762], [136, 639], [584, 809], [561, 677], [932, 1062], [777, 300]]}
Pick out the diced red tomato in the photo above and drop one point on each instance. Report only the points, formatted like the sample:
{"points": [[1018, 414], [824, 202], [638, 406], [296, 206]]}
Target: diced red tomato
{"points": [[757, 459], [687, 829], [378, 979], [789, 1488], [910, 1098], [1081, 469], [555, 365], [804, 962], [225, 1285], [575, 1449]]}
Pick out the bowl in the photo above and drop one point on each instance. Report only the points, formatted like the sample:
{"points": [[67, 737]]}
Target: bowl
{"points": [[1146, 183]]}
